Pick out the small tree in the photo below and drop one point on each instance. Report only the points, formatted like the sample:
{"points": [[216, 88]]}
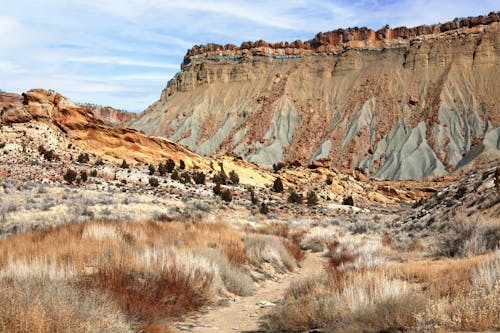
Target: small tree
{"points": [[278, 166], [83, 176], [253, 197], [70, 176], [83, 158], [49, 155], [217, 189], [98, 162], [233, 176], [348, 201], [125, 165], [295, 197], [182, 165], [312, 199], [264, 209], [278, 185], [226, 195], [329, 180], [170, 165], [175, 175], [152, 169], [162, 169], [199, 178], [185, 177], [153, 182]]}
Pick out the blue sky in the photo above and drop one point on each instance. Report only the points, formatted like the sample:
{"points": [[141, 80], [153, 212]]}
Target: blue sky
{"points": [[122, 52]]}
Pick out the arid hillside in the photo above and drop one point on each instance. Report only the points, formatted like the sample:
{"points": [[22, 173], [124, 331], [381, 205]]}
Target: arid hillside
{"points": [[399, 103]]}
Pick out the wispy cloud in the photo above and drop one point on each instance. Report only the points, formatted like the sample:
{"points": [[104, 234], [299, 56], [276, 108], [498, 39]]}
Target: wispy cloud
{"points": [[122, 53], [119, 61]]}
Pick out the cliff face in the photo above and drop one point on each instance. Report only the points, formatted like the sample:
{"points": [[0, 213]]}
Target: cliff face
{"points": [[397, 103]]}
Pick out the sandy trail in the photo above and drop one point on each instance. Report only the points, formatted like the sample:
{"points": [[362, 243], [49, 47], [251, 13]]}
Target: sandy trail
{"points": [[243, 314]]}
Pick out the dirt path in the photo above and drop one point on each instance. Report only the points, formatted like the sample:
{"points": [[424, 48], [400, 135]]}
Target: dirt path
{"points": [[242, 315]]}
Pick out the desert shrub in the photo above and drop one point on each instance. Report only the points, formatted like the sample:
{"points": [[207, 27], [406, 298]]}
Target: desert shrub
{"points": [[174, 175], [83, 158], [170, 165], [83, 176], [125, 165], [98, 162], [475, 310], [329, 180], [234, 178], [2, 145], [268, 249], [334, 301], [185, 177], [253, 198], [46, 306], [295, 251], [220, 177], [199, 177], [149, 296], [93, 173], [278, 185], [312, 199], [466, 236], [151, 169], [316, 240], [153, 181], [234, 279], [182, 165], [70, 176], [295, 197], [348, 201], [226, 195], [49, 155], [278, 166], [264, 209], [217, 189], [162, 169]]}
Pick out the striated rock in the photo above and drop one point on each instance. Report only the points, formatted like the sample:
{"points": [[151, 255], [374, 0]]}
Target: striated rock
{"points": [[14, 113], [110, 116], [401, 103], [334, 41]]}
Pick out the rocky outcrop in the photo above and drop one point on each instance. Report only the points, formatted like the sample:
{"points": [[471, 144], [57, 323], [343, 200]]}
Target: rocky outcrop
{"points": [[84, 129], [110, 116], [8, 98], [399, 103]]}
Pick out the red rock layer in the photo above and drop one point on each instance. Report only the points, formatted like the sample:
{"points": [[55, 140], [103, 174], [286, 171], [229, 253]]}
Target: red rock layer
{"points": [[330, 41]]}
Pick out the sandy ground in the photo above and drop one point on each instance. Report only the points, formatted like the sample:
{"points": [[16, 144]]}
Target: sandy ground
{"points": [[243, 314]]}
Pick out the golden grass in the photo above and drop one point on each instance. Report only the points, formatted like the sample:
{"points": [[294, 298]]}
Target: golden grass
{"points": [[146, 270], [149, 270], [359, 292]]}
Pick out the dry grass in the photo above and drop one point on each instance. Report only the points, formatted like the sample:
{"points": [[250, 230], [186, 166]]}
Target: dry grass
{"points": [[468, 235], [46, 306], [147, 270], [476, 308], [360, 292], [439, 278], [268, 249]]}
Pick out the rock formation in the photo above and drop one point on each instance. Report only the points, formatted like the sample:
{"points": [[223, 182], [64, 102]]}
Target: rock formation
{"points": [[110, 116], [398, 103]]}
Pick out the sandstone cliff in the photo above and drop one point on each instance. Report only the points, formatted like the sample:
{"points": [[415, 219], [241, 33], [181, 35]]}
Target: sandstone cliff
{"points": [[397, 103]]}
